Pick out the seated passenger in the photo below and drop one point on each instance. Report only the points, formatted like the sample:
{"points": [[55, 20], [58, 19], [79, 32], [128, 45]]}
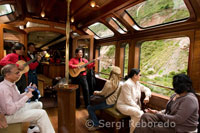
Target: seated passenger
{"points": [[111, 86], [128, 102], [3, 122], [13, 104], [181, 113]]}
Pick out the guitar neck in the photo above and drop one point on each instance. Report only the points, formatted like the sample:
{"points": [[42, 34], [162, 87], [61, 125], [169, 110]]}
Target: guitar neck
{"points": [[29, 62], [88, 63]]}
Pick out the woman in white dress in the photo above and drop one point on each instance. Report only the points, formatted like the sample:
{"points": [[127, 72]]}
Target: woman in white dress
{"points": [[128, 102]]}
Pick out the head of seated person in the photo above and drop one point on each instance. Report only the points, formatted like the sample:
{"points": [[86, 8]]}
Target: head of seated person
{"points": [[10, 72], [182, 84], [115, 76]]}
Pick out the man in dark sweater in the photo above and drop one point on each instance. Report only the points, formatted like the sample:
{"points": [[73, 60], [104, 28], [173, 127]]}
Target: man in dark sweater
{"points": [[181, 114]]}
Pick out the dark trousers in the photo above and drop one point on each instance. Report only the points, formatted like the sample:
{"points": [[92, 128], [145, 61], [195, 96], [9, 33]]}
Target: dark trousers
{"points": [[150, 123], [81, 81], [21, 84], [32, 77]]}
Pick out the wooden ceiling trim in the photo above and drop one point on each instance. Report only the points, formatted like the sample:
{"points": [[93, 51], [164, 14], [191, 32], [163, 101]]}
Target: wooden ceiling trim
{"points": [[191, 11], [47, 8], [17, 23], [85, 5], [116, 33], [57, 38], [104, 11], [194, 10], [7, 2], [124, 22], [6, 26], [52, 24], [154, 33], [21, 7], [33, 29]]}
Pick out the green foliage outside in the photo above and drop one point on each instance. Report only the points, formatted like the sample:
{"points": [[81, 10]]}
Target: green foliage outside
{"points": [[4, 10], [101, 30], [162, 59], [126, 60], [108, 55], [168, 10]]}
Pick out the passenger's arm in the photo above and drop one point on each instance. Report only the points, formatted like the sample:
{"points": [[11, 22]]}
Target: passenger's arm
{"points": [[146, 90], [10, 106], [104, 90], [184, 111]]}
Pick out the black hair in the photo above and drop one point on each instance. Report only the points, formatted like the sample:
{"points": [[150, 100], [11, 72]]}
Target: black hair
{"points": [[77, 50], [132, 72], [29, 44], [17, 46], [182, 83]]}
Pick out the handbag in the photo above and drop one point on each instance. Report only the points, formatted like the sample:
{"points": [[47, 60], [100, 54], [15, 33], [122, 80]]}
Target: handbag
{"points": [[97, 99]]}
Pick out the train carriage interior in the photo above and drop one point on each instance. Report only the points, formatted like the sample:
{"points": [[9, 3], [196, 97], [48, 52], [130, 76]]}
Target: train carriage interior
{"points": [[159, 37]]}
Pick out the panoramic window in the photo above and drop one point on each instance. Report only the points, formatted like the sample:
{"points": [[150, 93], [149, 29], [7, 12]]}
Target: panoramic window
{"points": [[120, 25], [126, 51], [108, 59], [117, 25], [5, 9], [155, 12], [89, 32], [160, 60], [101, 30]]}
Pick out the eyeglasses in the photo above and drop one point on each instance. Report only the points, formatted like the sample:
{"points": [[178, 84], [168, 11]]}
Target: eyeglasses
{"points": [[16, 72]]}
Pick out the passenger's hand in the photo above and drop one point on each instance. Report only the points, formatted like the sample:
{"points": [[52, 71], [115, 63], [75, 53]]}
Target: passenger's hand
{"points": [[146, 100], [21, 67], [29, 94], [151, 111], [30, 87], [3, 122]]}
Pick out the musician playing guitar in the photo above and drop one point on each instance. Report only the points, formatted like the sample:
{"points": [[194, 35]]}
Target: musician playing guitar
{"points": [[12, 58], [81, 79]]}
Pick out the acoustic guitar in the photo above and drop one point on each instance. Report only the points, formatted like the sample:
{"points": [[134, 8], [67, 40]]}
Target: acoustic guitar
{"points": [[26, 64], [74, 72]]}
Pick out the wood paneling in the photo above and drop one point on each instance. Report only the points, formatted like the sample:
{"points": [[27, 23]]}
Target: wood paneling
{"points": [[53, 70], [66, 109]]}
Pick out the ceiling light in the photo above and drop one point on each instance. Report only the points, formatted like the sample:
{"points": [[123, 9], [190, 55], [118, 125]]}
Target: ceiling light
{"points": [[72, 19], [42, 14], [92, 4]]}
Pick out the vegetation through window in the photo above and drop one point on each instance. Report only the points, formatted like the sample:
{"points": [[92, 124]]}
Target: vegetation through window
{"points": [[108, 59], [160, 60], [101, 30], [120, 25], [5, 9], [155, 12], [126, 51]]}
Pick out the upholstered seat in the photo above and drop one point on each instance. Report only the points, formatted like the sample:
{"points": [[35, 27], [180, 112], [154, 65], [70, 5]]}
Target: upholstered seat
{"points": [[12, 128], [115, 113]]}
